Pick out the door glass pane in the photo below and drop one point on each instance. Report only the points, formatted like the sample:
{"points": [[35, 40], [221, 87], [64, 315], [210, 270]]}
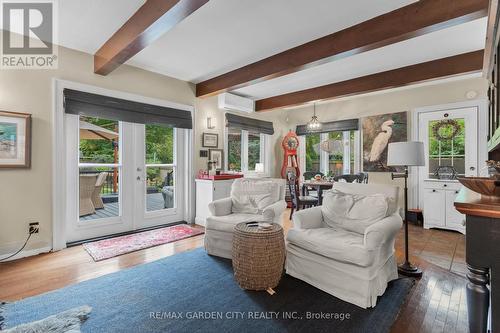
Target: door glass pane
{"points": [[159, 145], [234, 149], [99, 168], [312, 152], [160, 188], [99, 192], [160, 168], [447, 145], [253, 150]]}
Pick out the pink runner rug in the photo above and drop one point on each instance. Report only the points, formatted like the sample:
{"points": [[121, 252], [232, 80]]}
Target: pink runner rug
{"points": [[112, 247]]}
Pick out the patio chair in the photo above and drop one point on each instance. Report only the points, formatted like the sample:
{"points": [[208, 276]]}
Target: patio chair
{"points": [[96, 195], [87, 186]]}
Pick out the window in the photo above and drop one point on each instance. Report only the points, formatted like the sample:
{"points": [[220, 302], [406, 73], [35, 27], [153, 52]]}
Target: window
{"points": [[244, 149], [447, 145], [234, 149], [334, 153]]}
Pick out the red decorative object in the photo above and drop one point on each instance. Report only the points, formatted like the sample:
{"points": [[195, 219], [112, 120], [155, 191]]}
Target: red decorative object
{"points": [[290, 144], [222, 176], [112, 247]]}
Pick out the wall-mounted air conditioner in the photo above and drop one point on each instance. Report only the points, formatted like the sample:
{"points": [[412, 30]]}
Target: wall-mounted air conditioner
{"points": [[234, 102]]}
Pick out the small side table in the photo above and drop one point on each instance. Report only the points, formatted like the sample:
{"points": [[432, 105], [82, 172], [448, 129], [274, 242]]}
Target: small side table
{"points": [[258, 256]]}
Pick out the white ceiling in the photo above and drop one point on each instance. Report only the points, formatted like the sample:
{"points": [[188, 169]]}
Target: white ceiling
{"points": [[226, 34], [436, 45]]}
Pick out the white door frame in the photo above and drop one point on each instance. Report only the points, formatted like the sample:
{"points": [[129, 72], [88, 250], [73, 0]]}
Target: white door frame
{"points": [[59, 153], [482, 140]]}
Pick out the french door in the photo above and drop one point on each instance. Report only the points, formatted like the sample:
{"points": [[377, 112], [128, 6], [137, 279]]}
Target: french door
{"points": [[121, 176]]}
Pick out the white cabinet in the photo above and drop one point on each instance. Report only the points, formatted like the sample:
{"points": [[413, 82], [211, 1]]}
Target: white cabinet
{"points": [[208, 191], [439, 210]]}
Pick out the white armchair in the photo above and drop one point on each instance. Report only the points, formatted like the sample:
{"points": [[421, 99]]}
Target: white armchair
{"points": [[350, 262], [225, 215]]}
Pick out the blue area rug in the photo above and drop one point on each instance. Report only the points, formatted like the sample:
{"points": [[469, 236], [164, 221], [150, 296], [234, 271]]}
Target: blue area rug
{"points": [[194, 292]]}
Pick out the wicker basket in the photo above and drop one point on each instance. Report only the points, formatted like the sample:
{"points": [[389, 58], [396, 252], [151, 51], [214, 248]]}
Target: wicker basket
{"points": [[258, 256]]}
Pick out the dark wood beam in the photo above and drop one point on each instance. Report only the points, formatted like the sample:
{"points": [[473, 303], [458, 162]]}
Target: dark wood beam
{"points": [[419, 18], [152, 20], [441, 68]]}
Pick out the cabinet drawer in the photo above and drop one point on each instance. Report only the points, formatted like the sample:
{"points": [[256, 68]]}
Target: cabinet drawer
{"points": [[434, 207], [455, 186]]}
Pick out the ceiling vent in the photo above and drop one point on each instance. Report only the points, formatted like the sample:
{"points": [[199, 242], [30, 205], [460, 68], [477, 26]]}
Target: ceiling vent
{"points": [[234, 102]]}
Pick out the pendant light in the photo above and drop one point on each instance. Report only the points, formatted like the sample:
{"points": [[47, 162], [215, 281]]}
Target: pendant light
{"points": [[314, 125]]}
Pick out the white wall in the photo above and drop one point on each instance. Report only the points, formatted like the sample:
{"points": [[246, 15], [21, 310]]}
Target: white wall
{"points": [[207, 107]]}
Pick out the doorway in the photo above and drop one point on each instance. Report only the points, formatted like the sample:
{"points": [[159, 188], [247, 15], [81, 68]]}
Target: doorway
{"points": [[114, 176]]}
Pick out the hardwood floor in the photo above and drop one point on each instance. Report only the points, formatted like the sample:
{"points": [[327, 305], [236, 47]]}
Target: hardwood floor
{"points": [[435, 304]]}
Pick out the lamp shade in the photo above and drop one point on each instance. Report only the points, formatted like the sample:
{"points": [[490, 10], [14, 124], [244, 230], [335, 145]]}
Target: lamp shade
{"points": [[410, 153]]}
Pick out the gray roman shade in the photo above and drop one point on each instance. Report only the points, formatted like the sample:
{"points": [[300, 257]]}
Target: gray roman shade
{"points": [[332, 126], [93, 105], [249, 124]]}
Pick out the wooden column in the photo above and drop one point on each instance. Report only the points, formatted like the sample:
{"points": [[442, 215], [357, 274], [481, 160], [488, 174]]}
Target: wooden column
{"points": [[483, 259]]}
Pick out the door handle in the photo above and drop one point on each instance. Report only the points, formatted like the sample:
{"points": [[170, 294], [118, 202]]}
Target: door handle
{"points": [[139, 169], [138, 178], [472, 168]]}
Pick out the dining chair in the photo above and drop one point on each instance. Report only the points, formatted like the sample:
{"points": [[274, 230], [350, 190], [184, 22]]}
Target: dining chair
{"points": [[298, 201]]}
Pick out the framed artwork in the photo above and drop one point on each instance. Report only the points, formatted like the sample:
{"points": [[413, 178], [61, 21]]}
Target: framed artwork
{"points": [[15, 140], [210, 140], [378, 132], [217, 156]]}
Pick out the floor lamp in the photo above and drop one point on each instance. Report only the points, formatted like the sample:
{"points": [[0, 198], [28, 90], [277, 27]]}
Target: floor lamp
{"points": [[406, 154]]}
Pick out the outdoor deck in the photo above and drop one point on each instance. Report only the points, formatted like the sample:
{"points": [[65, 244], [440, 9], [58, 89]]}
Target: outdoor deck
{"points": [[154, 202]]}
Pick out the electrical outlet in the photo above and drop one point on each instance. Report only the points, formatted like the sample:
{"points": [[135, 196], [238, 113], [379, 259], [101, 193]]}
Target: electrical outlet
{"points": [[34, 228]]}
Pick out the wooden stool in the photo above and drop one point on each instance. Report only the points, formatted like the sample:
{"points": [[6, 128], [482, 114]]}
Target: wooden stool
{"points": [[415, 215]]}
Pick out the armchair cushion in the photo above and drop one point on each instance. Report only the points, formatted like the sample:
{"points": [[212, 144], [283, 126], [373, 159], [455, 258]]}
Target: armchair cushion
{"points": [[220, 207], [227, 223], [251, 197], [353, 212], [334, 243], [310, 218]]}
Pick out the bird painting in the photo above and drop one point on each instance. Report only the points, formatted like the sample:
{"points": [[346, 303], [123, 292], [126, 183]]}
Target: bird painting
{"points": [[378, 132]]}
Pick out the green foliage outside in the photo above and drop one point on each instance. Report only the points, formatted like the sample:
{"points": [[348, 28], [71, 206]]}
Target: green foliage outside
{"points": [[453, 147], [159, 150], [234, 151], [312, 158], [253, 150], [98, 151]]}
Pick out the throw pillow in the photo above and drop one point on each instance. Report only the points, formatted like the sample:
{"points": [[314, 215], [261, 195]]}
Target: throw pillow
{"points": [[252, 196], [353, 212]]}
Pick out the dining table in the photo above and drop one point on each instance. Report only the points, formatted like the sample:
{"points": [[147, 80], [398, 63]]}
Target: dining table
{"points": [[319, 186]]}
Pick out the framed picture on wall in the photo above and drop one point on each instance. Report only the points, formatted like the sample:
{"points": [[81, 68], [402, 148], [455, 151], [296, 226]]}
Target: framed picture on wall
{"points": [[217, 156], [15, 140], [378, 132], [210, 140]]}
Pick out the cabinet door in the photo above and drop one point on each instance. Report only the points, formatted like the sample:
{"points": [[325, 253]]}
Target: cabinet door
{"points": [[453, 217], [434, 207], [222, 189]]}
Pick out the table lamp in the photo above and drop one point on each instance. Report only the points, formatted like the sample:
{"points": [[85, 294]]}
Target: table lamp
{"points": [[406, 154]]}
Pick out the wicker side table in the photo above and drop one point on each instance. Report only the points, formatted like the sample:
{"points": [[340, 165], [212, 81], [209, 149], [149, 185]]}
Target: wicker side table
{"points": [[258, 256]]}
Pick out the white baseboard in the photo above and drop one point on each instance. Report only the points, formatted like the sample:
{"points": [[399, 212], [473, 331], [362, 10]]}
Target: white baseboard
{"points": [[26, 253], [200, 221]]}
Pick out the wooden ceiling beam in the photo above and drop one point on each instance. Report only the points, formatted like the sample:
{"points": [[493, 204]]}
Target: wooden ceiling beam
{"points": [[441, 68], [407, 22], [152, 20]]}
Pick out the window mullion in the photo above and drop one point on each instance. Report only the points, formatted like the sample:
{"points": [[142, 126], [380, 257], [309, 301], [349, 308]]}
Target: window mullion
{"points": [[244, 151], [323, 155], [346, 142]]}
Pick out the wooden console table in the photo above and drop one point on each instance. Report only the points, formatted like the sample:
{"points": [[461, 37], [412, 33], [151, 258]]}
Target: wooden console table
{"points": [[482, 257]]}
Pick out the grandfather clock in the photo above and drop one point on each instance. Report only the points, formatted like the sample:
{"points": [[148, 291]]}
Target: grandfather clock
{"points": [[290, 144]]}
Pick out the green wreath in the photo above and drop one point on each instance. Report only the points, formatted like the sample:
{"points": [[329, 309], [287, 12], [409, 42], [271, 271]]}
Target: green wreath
{"points": [[436, 129]]}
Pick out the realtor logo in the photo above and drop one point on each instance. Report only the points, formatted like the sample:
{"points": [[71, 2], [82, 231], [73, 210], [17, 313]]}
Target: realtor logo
{"points": [[28, 34]]}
